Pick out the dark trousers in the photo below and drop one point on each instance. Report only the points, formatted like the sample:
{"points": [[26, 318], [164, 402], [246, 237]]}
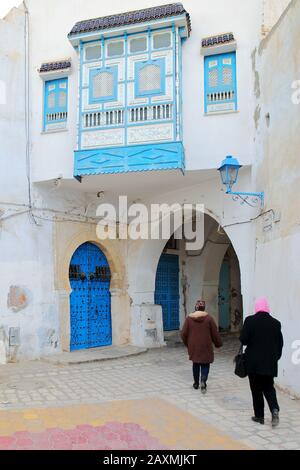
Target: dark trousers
{"points": [[204, 372], [263, 386]]}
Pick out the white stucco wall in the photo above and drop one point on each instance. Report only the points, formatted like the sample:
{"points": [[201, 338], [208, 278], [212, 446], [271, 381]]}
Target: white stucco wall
{"points": [[13, 187], [272, 10], [208, 138], [277, 170]]}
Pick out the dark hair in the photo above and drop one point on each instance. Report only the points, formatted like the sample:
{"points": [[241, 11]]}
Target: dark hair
{"points": [[200, 306], [201, 309]]}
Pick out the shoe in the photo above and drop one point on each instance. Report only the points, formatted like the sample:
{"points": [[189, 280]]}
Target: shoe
{"points": [[203, 387], [196, 386], [275, 418], [258, 420]]}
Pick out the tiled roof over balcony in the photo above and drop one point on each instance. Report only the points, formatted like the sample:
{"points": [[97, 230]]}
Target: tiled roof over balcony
{"points": [[55, 66], [217, 40], [131, 17]]}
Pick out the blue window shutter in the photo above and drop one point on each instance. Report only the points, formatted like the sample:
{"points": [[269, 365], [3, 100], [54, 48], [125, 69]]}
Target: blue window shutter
{"points": [[220, 83], [103, 84], [150, 78], [56, 102]]}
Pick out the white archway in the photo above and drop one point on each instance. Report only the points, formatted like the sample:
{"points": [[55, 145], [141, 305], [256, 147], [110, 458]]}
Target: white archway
{"points": [[145, 254]]}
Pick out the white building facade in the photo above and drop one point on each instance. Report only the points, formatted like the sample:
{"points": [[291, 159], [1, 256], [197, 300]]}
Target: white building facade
{"points": [[99, 103]]}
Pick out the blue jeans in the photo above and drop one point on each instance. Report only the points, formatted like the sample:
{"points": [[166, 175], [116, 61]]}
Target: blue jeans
{"points": [[204, 372]]}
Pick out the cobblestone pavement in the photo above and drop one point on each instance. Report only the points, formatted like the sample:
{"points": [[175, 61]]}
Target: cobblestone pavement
{"points": [[146, 401]]}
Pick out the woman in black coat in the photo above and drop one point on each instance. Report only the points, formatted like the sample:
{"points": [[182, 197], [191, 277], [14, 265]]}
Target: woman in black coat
{"points": [[262, 335]]}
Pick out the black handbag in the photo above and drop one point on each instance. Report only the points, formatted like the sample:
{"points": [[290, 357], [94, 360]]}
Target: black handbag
{"points": [[240, 364]]}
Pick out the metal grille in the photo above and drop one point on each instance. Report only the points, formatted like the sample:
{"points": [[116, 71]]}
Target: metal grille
{"points": [[149, 78], [227, 75], [162, 40], [103, 273], [74, 271], [90, 299], [213, 78], [103, 85], [167, 290]]}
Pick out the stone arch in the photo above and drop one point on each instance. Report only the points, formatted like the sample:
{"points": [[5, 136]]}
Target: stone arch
{"points": [[146, 254], [67, 238], [116, 267]]}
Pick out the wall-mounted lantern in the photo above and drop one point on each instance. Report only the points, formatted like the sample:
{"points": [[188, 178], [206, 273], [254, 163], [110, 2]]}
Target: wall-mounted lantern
{"points": [[229, 171]]}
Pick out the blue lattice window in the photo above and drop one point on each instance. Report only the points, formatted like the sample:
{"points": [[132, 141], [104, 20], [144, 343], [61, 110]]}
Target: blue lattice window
{"points": [[150, 78], [103, 84], [56, 104], [220, 83]]}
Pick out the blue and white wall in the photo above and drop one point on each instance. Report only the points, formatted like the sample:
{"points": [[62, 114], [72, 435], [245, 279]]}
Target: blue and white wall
{"points": [[134, 111], [35, 246], [130, 97]]}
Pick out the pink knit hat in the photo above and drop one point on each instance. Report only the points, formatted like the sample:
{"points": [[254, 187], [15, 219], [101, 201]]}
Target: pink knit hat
{"points": [[262, 305]]}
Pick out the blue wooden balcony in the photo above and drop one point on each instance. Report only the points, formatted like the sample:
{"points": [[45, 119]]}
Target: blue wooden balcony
{"points": [[165, 156]]}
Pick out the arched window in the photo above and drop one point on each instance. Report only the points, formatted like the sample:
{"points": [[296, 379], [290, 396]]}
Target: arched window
{"points": [[103, 84], [150, 78]]}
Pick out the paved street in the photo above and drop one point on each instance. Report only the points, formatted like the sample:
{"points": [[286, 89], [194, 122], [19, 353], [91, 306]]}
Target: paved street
{"points": [[141, 402]]}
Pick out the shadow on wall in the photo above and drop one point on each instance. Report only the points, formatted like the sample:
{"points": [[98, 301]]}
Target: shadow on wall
{"points": [[230, 300]]}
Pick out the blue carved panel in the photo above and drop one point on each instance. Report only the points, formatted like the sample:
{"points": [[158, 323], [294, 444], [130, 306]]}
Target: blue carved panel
{"points": [[103, 84], [130, 90], [90, 299], [131, 158], [56, 104], [150, 78], [167, 290]]}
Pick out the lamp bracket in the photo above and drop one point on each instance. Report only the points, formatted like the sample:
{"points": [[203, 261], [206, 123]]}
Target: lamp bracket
{"points": [[252, 199]]}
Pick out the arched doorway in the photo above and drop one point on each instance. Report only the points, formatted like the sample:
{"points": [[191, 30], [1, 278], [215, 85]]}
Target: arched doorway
{"points": [[211, 273], [199, 278], [90, 300]]}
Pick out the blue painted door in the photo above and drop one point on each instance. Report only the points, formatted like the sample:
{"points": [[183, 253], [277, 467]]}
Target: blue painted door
{"points": [[224, 296], [90, 299], [167, 290]]}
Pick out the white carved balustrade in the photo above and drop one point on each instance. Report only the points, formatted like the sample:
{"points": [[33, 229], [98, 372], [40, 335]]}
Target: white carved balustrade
{"points": [[103, 119], [150, 113]]}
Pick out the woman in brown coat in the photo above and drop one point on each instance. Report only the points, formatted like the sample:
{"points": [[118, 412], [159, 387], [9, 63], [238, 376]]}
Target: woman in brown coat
{"points": [[199, 333]]}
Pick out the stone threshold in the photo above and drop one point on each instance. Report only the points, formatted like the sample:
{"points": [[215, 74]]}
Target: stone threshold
{"points": [[94, 355]]}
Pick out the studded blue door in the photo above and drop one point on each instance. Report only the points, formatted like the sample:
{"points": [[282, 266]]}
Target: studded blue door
{"points": [[90, 299], [167, 290], [224, 297]]}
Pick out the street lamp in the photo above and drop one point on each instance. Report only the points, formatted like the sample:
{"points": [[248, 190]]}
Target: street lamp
{"points": [[229, 171]]}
